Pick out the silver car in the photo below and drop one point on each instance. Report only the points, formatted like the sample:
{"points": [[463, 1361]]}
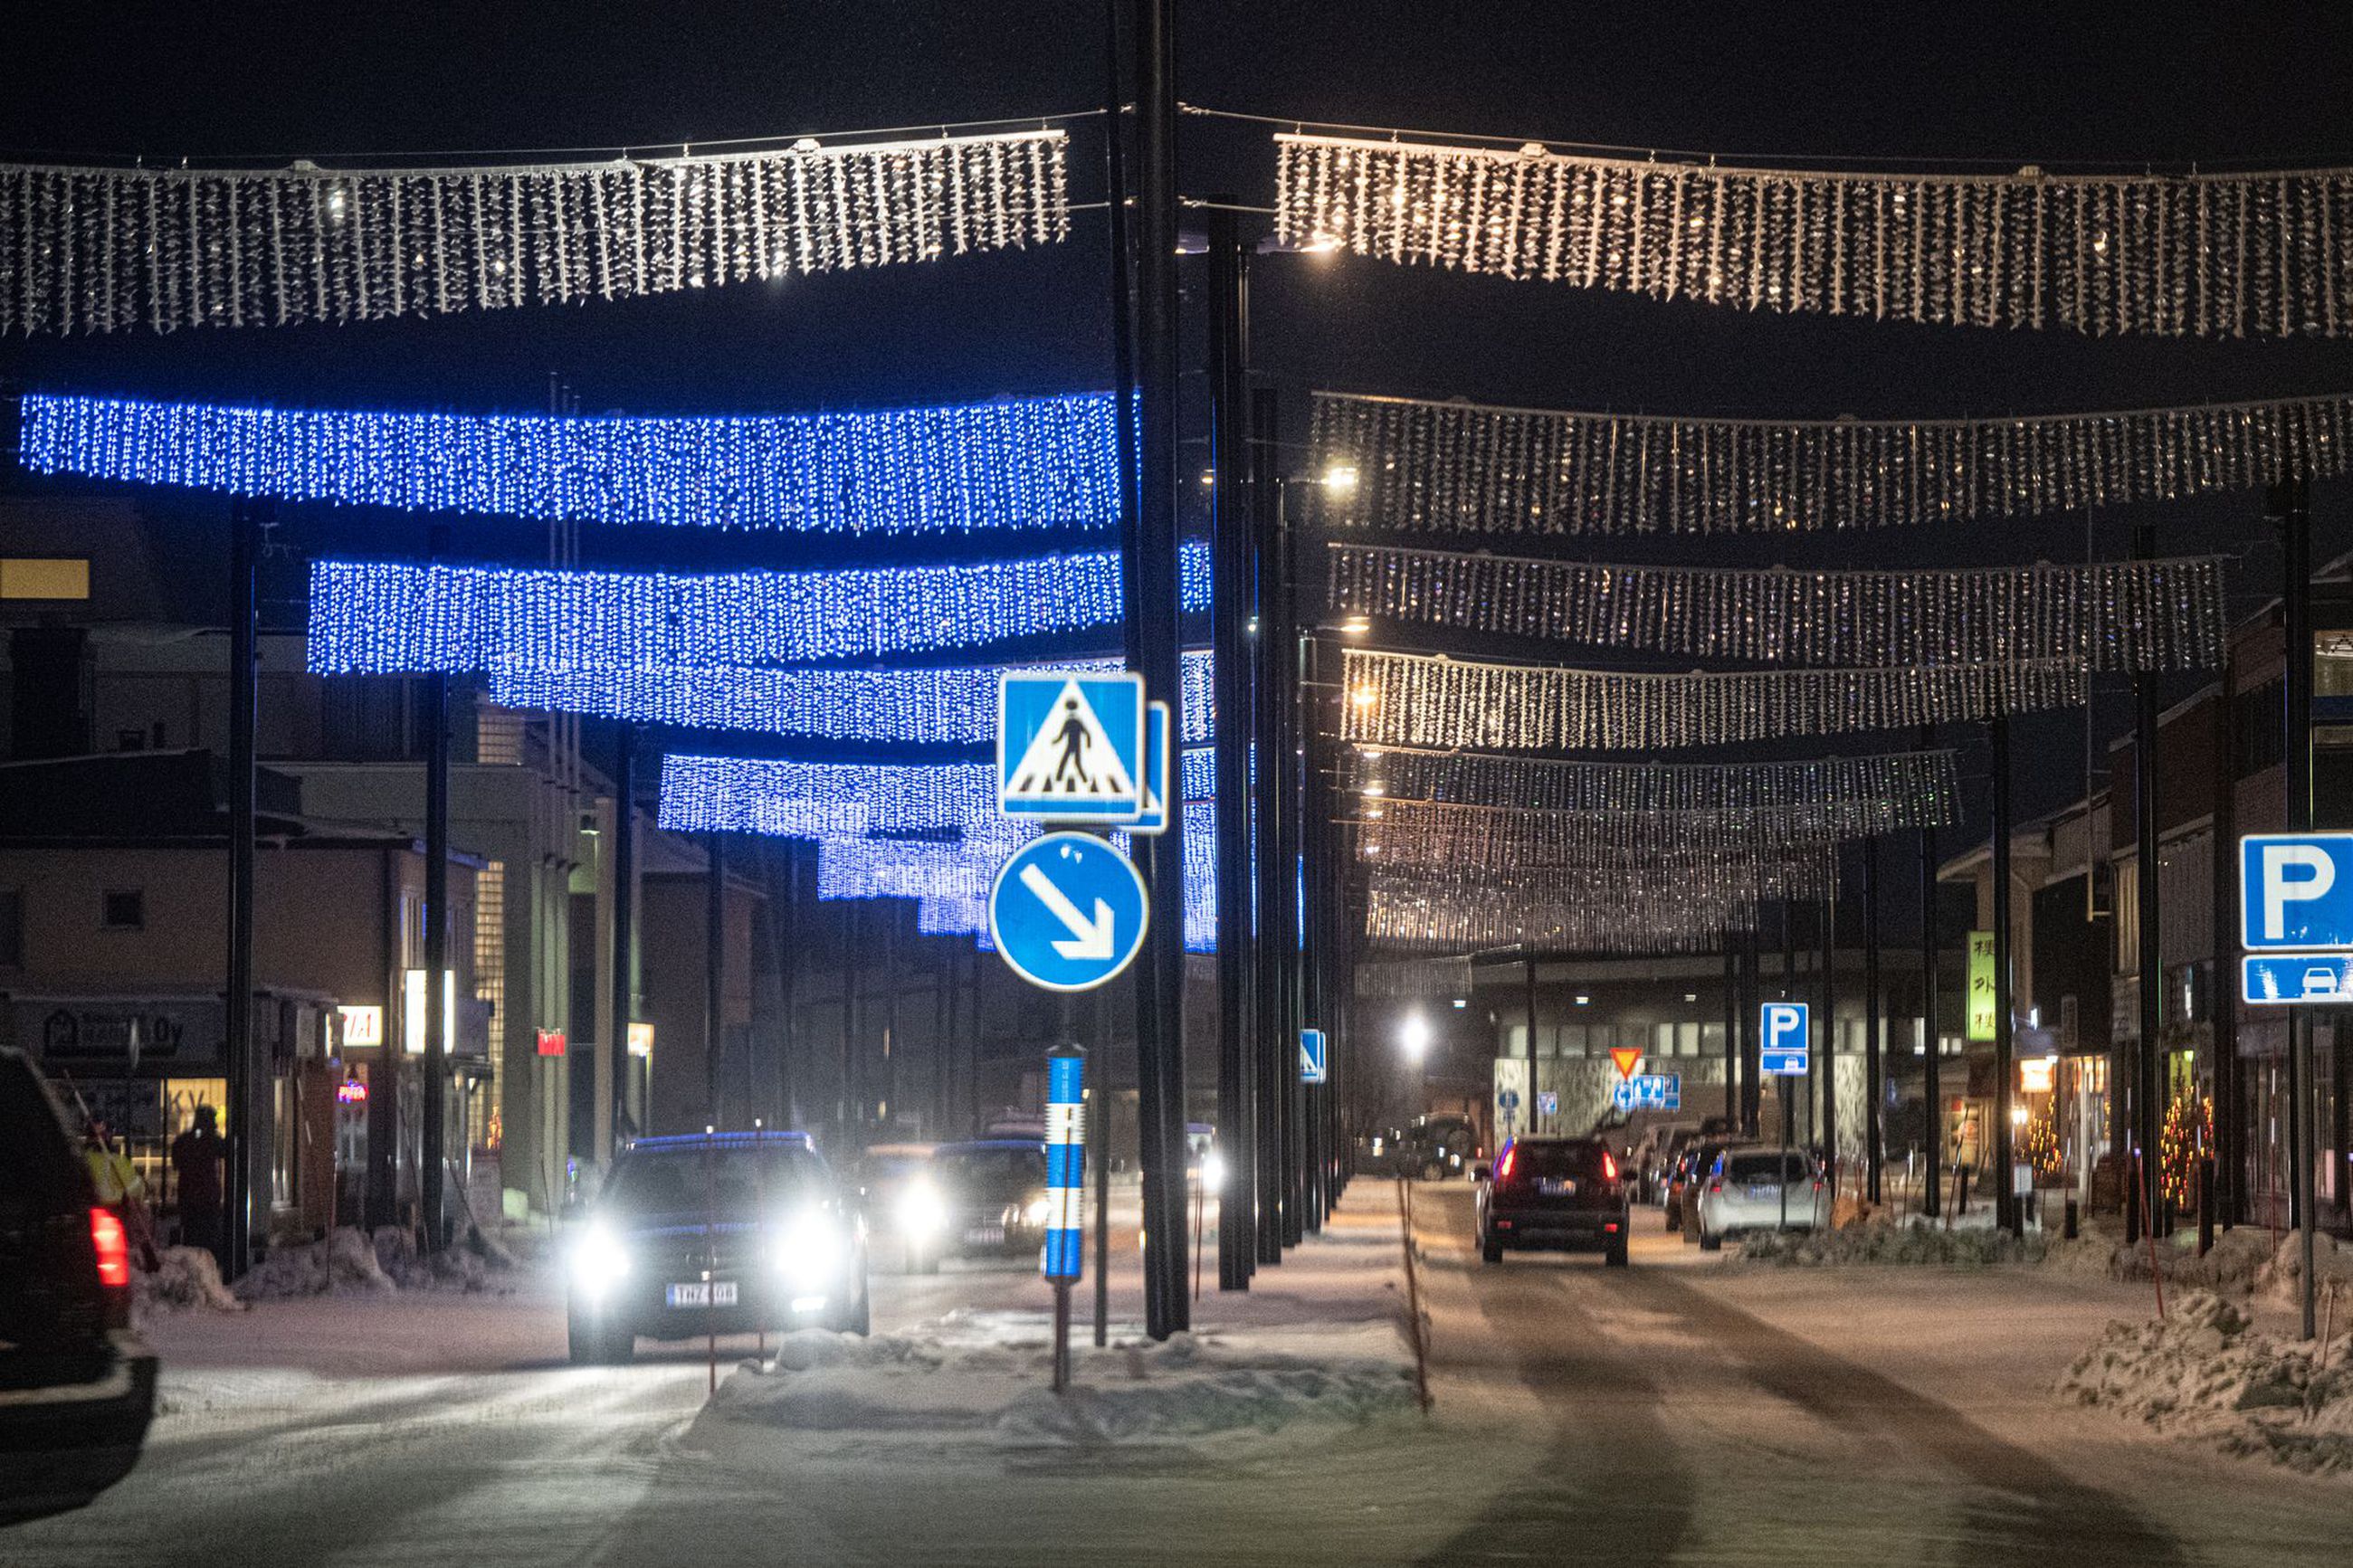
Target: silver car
{"points": [[1757, 1188]]}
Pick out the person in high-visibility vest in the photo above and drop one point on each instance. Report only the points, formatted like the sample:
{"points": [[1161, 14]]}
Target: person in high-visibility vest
{"points": [[119, 1186]]}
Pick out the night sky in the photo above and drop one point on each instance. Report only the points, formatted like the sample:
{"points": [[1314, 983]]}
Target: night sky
{"points": [[2056, 85]]}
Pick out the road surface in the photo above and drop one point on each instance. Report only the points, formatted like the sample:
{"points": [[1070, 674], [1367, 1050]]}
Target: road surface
{"points": [[1681, 1410]]}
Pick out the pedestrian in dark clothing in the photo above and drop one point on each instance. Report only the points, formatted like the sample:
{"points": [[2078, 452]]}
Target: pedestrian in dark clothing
{"points": [[196, 1158]]}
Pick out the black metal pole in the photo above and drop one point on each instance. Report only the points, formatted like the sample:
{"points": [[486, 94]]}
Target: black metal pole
{"points": [[1160, 978], [715, 974], [2150, 1060], [1874, 1087], [243, 1090], [1269, 696], [2005, 1074], [2292, 503], [432, 1144], [1230, 519], [1789, 993], [1293, 941], [1826, 986], [1752, 997], [1932, 1094], [625, 915], [1314, 953], [1731, 1029], [1528, 998]]}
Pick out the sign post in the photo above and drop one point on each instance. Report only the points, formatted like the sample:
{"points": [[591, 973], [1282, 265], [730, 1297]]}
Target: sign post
{"points": [[1784, 1053], [1066, 1171]]}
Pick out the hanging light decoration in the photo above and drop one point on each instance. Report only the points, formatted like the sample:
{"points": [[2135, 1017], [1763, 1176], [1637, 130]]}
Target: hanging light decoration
{"points": [[96, 250], [1014, 464], [798, 799], [2125, 615], [1408, 979], [935, 706], [1916, 788], [1432, 700], [2221, 254], [1462, 467], [409, 618], [1420, 833]]}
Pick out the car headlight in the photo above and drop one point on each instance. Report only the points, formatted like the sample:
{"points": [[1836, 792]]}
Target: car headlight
{"points": [[1213, 1172], [812, 1250], [920, 1211], [1035, 1213], [598, 1260]]}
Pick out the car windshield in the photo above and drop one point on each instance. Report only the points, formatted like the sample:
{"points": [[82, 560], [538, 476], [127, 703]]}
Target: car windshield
{"points": [[882, 1170], [1553, 1160], [722, 1181], [992, 1171], [1762, 1167]]}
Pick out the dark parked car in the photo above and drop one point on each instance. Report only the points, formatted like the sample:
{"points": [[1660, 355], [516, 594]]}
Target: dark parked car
{"points": [[1689, 1167], [1559, 1194], [715, 1233], [77, 1387], [992, 1195]]}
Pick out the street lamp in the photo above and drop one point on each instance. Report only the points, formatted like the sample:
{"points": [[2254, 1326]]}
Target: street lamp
{"points": [[1413, 1038]]}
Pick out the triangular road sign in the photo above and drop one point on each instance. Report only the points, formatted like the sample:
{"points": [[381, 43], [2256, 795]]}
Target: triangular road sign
{"points": [[1627, 1057], [1071, 760]]}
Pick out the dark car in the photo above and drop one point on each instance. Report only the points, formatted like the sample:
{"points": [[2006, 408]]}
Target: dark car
{"points": [[901, 1203], [1690, 1169], [1558, 1193], [715, 1233], [77, 1387], [992, 1197]]}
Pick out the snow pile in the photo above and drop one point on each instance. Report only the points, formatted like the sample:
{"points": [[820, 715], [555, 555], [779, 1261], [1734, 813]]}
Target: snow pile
{"points": [[351, 1262], [2202, 1374], [1881, 1241], [2246, 1260], [185, 1277], [989, 1380]]}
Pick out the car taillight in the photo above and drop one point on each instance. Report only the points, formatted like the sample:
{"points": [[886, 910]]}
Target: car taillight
{"points": [[113, 1248], [1609, 1166], [1504, 1171], [1716, 1186]]}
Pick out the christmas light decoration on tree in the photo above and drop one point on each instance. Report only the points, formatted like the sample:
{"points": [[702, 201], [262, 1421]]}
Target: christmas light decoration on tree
{"points": [[1431, 701], [1009, 464], [2037, 1146], [1916, 788], [407, 617], [2207, 255], [2182, 1140], [1460, 467], [931, 706], [95, 249], [2132, 615]]}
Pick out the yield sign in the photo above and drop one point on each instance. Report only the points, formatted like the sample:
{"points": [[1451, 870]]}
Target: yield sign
{"points": [[1626, 1056]]}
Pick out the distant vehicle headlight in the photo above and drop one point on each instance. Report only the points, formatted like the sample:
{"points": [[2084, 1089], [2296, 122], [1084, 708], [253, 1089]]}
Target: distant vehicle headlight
{"points": [[1035, 1213], [812, 1251], [1213, 1172], [921, 1210], [598, 1260]]}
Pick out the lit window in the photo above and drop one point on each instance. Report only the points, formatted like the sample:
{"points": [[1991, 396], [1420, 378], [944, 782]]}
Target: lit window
{"points": [[34, 577]]}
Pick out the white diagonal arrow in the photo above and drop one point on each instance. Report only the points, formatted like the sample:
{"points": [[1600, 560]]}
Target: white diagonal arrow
{"points": [[1088, 939]]}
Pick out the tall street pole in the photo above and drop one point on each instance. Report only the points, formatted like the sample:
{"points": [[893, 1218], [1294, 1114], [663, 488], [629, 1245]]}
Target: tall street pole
{"points": [[1932, 1094], [243, 1088], [1752, 997], [1731, 1030], [1231, 520], [432, 1150], [625, 925], [715, 974], [2005, 1076], [2292, 504], [1874, 1088], [1272, 1056], [2150, 1062], [1826, 983], [1154, 619]]}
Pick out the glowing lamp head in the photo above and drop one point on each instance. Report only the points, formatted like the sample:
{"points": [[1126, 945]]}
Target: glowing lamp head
{"points": [[1413, 1038]]}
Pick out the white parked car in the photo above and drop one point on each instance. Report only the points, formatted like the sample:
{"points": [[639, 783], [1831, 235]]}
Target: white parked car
{"points": [[1757, 1188]]}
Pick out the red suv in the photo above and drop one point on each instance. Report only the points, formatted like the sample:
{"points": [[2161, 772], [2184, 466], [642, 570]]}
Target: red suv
{"points": [[1560, 1194]]}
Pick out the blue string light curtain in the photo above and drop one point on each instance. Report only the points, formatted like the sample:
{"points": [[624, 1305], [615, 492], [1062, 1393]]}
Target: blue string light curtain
{"points": [[1014, 464]]}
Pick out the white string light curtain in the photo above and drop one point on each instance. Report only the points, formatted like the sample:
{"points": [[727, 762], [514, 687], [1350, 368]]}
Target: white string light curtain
{"points": [[2127, 615], [1919, 788], [1422, 833], [2262, 254], [1454, 466], [87, 249], [1434, 701]]}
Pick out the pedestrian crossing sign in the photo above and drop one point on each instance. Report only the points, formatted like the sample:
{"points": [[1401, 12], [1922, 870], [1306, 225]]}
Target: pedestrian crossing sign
{"points": [[1153, 816], [1070, 747]]}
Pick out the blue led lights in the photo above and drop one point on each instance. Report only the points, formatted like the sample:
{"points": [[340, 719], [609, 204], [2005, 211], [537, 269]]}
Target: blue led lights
{"points": [[1020, 463], [805, 800], [949, 706], [407, 617]]}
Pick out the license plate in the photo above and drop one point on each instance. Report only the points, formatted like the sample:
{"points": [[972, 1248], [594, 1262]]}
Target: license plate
{"points": [[1765, 1190], [1556, 1187], [985, 1236], [702, 1293]]}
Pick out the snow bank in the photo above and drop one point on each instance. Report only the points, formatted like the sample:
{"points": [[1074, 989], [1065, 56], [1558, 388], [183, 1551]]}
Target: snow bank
{"points": [[2246, 1260], [2202, 1374], [988, 1381], [1883, 1241], [351, 1262], [185, 1277]]}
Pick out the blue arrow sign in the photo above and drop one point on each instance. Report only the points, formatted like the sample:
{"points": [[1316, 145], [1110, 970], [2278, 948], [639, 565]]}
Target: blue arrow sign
{"points": [[1782, 1044], [1067, 911], [1070, 746], [1313, 1061], [2279, 979], [2295, 890]]}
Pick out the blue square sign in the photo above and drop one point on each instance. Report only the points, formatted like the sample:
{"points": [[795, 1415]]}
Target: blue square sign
{"points": [[1782, 1042], [1070, 747]]}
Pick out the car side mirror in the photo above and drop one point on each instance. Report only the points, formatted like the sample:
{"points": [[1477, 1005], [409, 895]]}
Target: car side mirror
{"points": [[1483, 1172]]}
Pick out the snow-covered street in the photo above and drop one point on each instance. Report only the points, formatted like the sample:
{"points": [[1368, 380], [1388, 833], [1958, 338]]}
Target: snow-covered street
{"points": [[1681, 1410]]}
